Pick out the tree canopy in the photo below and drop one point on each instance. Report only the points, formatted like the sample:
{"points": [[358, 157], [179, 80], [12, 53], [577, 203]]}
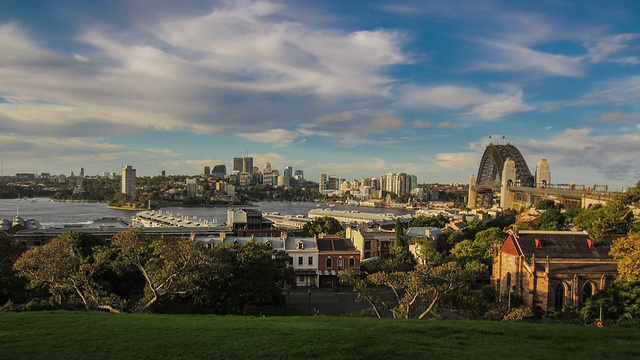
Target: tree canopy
{"points": [[322, 225]]}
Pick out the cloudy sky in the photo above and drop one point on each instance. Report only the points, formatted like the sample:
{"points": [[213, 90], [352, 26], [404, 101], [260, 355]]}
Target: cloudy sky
{"points": [[350, 88]]}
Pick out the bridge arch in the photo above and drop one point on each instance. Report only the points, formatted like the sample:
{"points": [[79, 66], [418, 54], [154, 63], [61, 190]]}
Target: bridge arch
{"points": [[492, 163]]}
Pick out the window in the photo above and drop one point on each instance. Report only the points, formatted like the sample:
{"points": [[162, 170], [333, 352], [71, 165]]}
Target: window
{"points": [[299, 260], [587, 291], [329, 263], [352, 262], [302, 278], [310, 260], [560, 289], [340, 263], [367, 245], [290, 261], [367, 255], [300, 245]]}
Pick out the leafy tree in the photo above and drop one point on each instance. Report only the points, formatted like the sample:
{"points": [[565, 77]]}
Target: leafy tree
{"points": [[234, 276], [489, 240], [466, 252], [69, 268], [167, 265], [626, 251], [322, 225], [620, 301], [11, 286], [546, 205], [447, 240], [417, 293], [400, 241], [439, 221], [612, 218], [552, 219], [428, 250]]}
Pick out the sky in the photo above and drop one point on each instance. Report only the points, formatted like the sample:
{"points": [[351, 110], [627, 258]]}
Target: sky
{"points": [[349, 88]]}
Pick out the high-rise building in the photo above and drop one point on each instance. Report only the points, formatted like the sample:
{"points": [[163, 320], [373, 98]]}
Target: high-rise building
{"points": [[267, 167], [237, 164], [219, 171], [322, 184], [81, 172], [206, 171], [129, 181], [299, 175], [247, 164], [288, 171]]}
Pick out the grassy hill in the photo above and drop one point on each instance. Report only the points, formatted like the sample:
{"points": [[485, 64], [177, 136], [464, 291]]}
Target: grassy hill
{"points": [[94, 335]]}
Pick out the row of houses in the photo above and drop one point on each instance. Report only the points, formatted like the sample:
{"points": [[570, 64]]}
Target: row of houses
{"points": [[316, 261]]}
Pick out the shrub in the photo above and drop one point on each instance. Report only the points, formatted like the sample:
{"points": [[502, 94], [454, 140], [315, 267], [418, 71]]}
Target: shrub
{"points": [[518, 314], [9, 306]]}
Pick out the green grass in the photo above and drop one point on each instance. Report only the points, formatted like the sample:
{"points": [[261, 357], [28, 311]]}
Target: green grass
{"points": [[94, 335]]}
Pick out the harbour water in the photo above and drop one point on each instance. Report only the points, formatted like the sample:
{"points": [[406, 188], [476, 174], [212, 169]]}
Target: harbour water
{"points": [[55, 212]]}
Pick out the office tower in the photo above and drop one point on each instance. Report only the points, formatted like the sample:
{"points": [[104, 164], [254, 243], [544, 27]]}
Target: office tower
{"points": [[82, 172], [206, 171], [299, 175], [237, 164], [288, 171], [129, 181], [267, 167], [322, 184], [247, 164], [219, 171]]}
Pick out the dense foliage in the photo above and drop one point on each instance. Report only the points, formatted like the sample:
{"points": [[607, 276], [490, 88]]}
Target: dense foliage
{"points": [[144, 273], [322, 225]]}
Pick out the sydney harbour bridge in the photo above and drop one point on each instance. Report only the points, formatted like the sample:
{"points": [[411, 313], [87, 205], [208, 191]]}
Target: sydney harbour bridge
{"points": [[504, 176]]}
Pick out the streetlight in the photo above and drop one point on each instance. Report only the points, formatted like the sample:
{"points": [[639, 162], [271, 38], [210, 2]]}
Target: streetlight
{"points": [[309, 290]]}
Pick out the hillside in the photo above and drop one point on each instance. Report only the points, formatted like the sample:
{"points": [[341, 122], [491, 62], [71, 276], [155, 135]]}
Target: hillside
{"points": [[92, 335]]}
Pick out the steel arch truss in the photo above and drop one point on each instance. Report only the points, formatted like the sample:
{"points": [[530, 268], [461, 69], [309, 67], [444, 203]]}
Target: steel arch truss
{"points": [[490, 171]]}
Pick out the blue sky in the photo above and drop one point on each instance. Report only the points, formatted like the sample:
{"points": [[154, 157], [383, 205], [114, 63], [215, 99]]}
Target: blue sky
{"points": [[350, 88]]}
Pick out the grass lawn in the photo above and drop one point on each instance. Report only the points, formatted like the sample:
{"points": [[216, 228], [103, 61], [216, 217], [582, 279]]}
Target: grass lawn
{"points": [[95, 335]]}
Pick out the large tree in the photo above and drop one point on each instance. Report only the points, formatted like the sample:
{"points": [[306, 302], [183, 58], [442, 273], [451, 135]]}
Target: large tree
{"points": [[626, 251], [322, 225], [11, 286], [167, 265], [416, 293], [69, 267]]}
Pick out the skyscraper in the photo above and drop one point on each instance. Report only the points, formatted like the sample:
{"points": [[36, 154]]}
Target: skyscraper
{"points": [[288, 171], [129, 181], [247, 164], [206, 171], [237, 164]]}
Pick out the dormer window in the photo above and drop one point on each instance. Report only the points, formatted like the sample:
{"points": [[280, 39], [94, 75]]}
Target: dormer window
{"points": [[268, 244], [300, 245]]}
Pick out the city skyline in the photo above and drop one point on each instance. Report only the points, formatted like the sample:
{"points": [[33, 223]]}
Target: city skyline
{"points": [[355, 89]]}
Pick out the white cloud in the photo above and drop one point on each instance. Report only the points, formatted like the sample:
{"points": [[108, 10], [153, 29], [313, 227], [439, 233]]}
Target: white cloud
{"points": [[277, 137], [468, 99], [210, 73]]}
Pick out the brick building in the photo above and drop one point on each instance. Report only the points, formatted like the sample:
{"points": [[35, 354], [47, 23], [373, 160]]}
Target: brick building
{"points": [[552, 269]]}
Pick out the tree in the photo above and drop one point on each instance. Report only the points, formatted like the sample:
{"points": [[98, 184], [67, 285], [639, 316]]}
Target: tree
{"points": [[429, 221], [620, 301], [546, 205], [417, 293], [167, 265], [400, 242], [612, 218], [552, 219], [69, 268], [238, 275], [490, 240], [11, 286], [626, 251], [322, 225]]}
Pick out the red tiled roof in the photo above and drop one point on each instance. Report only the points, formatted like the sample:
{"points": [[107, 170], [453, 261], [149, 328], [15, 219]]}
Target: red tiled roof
{"points": [[510, 247]]}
